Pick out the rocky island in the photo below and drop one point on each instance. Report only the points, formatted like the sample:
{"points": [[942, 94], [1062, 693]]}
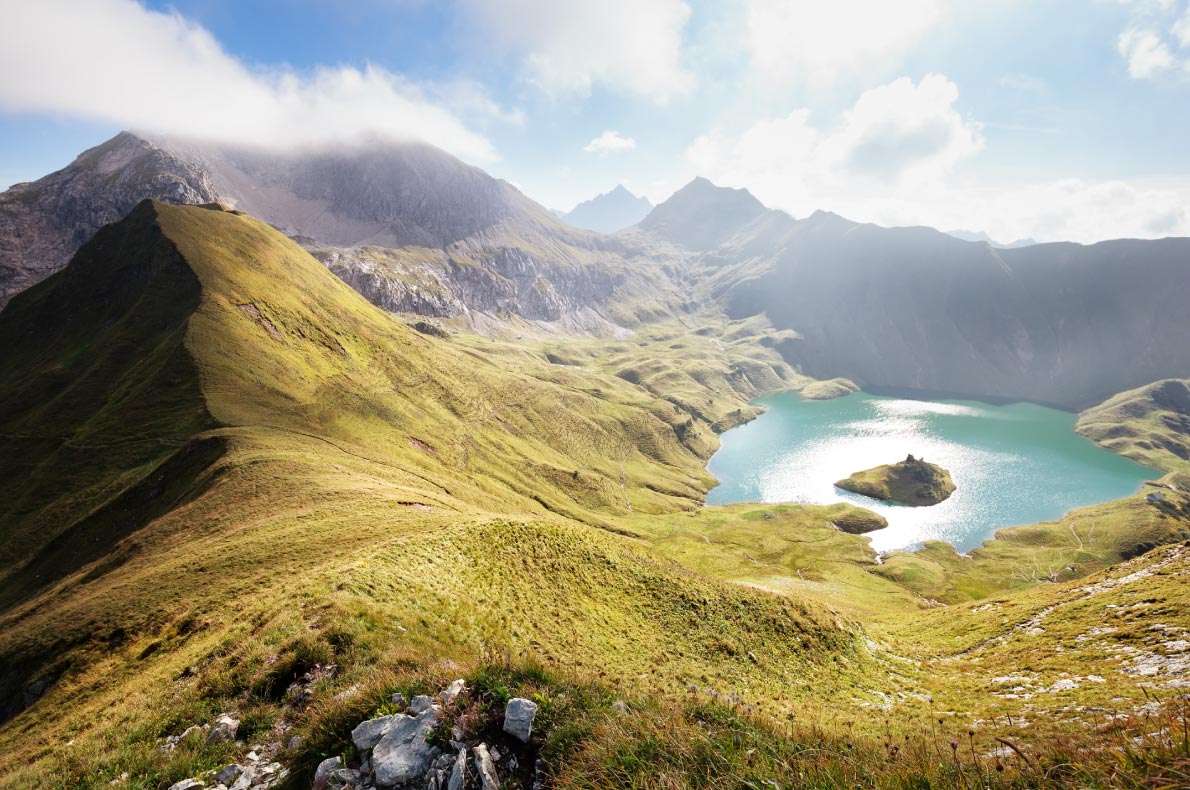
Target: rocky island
{"points": [[910, 482]]}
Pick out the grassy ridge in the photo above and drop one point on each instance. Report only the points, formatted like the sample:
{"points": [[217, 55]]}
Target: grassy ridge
{"points": [[96, 383]]}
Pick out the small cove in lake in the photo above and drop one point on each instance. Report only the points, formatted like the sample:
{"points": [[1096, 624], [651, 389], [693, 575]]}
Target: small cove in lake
{"points": [[1012, 464]]}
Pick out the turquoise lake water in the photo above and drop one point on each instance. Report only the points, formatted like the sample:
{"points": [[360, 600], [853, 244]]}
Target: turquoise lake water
{"points": [[1015, 464]]}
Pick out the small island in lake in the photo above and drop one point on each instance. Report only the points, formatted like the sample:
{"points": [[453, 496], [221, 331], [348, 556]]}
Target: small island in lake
{"points": [[910, 482], [831, 388]]}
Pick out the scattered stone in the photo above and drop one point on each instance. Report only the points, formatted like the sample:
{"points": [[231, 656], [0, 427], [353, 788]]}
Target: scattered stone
{"points": [[458, 775], [486, 768], [368, 733], [246, 779], [518, 718], [397, 699], [224, 730], [421, 703], [348, 692], [322, 774], [452, 691], [294, 742], [345, 777], [229, 774], [403, 755], [187, 784]]}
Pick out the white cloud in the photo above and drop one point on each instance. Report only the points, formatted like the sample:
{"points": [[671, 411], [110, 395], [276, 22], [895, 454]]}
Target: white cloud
{"points": [[902, 132], [568, 48], [895, 158], [1146, 54], [816, 41], [609, 142], [1151, 43], [1181, 30], [116, 61]]}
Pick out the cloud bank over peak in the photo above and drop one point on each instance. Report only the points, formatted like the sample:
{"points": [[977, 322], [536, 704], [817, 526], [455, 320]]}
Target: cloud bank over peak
{"points": [[115, 61]]}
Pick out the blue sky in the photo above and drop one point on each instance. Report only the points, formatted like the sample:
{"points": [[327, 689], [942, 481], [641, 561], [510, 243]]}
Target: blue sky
{"points": [[1053, 120]]}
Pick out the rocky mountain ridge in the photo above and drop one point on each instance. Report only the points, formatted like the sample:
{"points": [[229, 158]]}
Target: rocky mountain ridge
{"points": [[477, 242], [43, 223]]}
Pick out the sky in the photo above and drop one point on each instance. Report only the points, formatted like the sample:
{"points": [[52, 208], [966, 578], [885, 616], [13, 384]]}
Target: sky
{"points": [[1048, 120]]}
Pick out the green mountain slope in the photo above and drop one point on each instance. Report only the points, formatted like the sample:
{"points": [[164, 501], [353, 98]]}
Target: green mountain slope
{"points": [[320, 453], [1150, 424]]}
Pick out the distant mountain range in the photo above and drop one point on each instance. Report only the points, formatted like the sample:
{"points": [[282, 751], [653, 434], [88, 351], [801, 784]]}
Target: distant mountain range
{"points": [[914, 308], [609, 212], [417, 231], [979, 235]]}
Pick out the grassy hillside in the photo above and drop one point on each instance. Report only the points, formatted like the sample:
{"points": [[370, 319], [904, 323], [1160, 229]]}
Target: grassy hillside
{"points": [[347, 456], [294, 505], [1150, 424]]}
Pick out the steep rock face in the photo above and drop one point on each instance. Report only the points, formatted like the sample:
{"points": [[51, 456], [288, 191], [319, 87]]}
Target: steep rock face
{"points": [[450, 283], [43, 223], [409, 226]]}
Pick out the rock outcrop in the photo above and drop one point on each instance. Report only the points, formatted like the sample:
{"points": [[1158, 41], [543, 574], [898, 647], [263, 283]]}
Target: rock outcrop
{"points": [[518, 718], [402, 751], [855, 520], [254, 771]]}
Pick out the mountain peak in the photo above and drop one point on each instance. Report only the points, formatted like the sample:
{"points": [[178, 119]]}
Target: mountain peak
{"points": [[610, 211], [702, 215]]}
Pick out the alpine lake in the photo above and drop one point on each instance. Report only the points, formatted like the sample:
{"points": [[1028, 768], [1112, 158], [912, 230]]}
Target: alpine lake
{"points": [[1012, 464]]}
